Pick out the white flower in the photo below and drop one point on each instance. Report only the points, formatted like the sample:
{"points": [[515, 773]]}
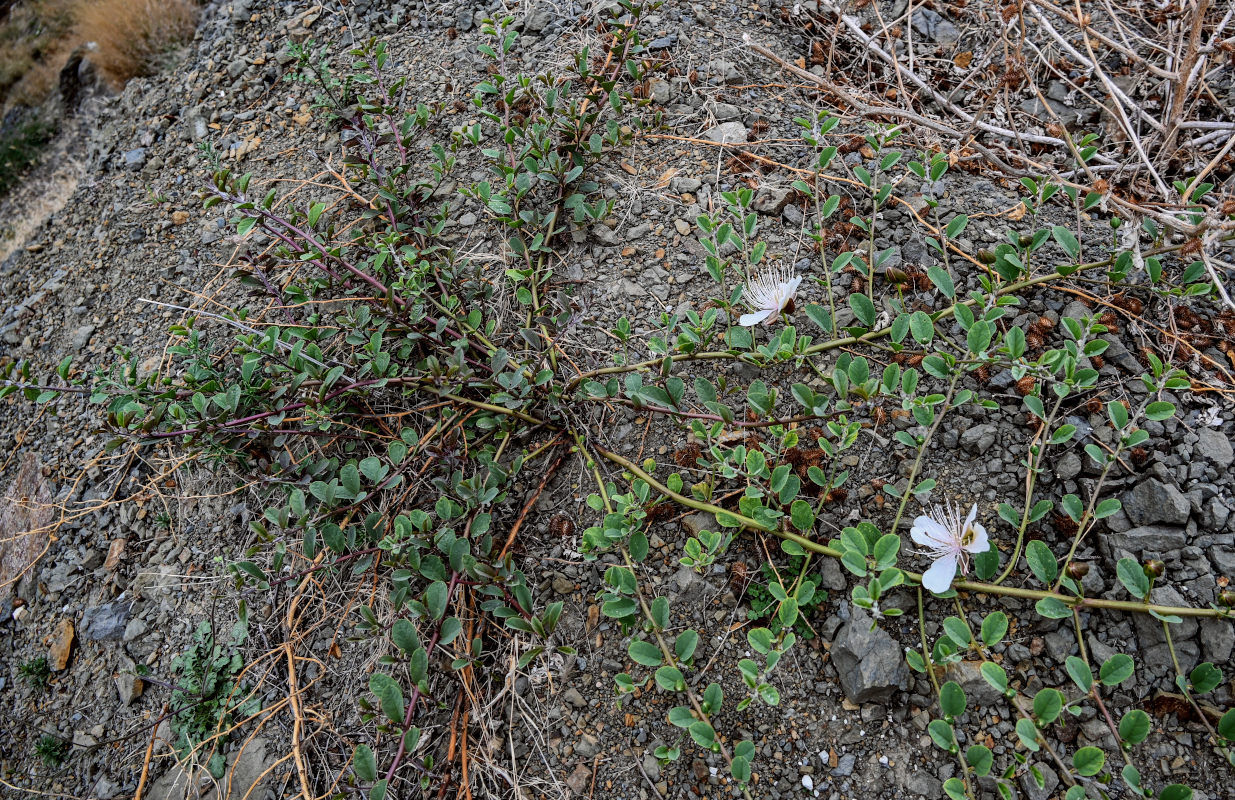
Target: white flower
{"points": [[768, 293], [949, 542]]}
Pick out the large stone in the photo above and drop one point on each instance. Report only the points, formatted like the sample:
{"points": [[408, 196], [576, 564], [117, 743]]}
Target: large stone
{"points": [[968, 675], [107, 621], [934, 26], [868, 660], [979, 438], [1154, 501], [771, 199], [61, 649], [1049, 781], [1149, 630], [727, 133], [128, 685], [1214, 446], [1157, 539]]}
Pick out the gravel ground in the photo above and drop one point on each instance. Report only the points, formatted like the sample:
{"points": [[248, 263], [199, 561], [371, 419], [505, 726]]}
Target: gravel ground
{"points": [[135, 562]]}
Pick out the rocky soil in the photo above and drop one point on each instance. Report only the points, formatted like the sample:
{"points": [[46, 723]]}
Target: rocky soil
{"points": [[128, 551]]}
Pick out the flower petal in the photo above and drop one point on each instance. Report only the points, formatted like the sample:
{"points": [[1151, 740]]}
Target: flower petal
{"points": [[746, 320], [938, 578], [981, 542], [929, 533]]}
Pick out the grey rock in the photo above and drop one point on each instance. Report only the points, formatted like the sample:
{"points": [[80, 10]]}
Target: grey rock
{"points": [[538, 20], [727, 133], [1119, 355], [869, 661], [134, 629], [605, 235], [573, 697], [690, 586], [1217, 640], [1149, 630], [250, 769], [979, 438], [660, 91], [725, 70], [725, 112], [1214, 446], [1223, 557], [1049, 781], [81, 337], [587, 746], [1153, 538], [702, 521], [135, 158], [663, 42], [1154, 501], [104, 622], [682, 185], [652, 767], [831, 577], [935, 27], [128, 685], [844, 766], [1068, 466], [923, 784], [771, 200], [968, 675]]}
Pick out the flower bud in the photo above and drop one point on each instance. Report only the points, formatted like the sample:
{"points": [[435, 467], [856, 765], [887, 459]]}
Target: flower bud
{"points": [[986, 256], [1078, 570], [1154, 568], [1025, 240], [1227, 598]]}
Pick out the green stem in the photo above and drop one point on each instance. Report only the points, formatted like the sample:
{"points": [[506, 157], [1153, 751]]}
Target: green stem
{"points": [[917, 462], [964, 586], [1031, 479]]}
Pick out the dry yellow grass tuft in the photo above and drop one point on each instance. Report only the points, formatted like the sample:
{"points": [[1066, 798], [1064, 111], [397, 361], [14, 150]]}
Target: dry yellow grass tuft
{"points": [[133, 36], [38, 36]]}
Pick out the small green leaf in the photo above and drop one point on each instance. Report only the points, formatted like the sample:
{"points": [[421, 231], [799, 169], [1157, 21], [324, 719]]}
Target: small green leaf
{"points": [[1134, 727], [365, 763], [1080, 673], [1132, 576], [644, 653], [1088, 761], [1116, 669], [980, 758], [1041, 561], [952, 699], [994, 628]]}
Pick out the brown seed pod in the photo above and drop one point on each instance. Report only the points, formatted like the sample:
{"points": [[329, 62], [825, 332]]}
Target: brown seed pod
{"points": [[739, 577], [1044, 324], [1025, 386], [687, 455], [1132, 305], [983, 373], [1078, 570], [1139, 456], [837, 496], [561, 527], [1098, 362], [1064, 524], [1034, 340], [879, 415]]}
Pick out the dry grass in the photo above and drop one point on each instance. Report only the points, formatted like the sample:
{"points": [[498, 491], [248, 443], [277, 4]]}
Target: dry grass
{"points": [[134, 36]]}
